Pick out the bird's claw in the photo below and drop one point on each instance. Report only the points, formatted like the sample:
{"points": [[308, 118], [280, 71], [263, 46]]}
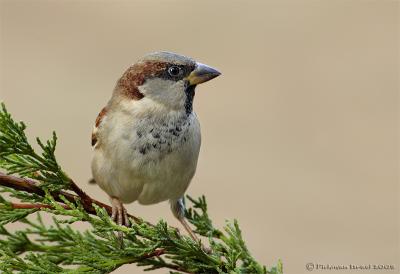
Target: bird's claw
{"points": [[119, 214]]}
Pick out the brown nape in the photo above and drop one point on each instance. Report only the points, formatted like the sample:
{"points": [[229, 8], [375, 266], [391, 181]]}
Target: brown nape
{"points": [[135, 76]]}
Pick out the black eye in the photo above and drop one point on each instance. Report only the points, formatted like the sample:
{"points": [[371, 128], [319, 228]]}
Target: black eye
{"points": [[174, 71]]}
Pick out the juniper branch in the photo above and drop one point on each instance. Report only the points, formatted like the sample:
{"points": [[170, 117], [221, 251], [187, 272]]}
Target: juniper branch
{"points": [[30, 186], [42, 186]]}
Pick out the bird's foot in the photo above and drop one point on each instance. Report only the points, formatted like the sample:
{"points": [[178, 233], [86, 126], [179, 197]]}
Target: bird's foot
{"points": [[194, 237], [178, 209], [119, 214]]}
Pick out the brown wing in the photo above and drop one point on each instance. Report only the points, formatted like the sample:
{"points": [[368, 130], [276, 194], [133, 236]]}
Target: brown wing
{"points": [[99, 119]]}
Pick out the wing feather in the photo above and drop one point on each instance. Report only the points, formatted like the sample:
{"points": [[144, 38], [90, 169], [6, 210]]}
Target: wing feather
{"points": [[97, 124]]}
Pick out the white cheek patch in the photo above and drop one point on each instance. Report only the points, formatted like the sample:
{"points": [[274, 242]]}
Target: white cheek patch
{"points": [[167, 92]]}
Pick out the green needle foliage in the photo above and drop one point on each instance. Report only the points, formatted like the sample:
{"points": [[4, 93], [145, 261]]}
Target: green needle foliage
{"points": [[60, 247], [18, 157]]}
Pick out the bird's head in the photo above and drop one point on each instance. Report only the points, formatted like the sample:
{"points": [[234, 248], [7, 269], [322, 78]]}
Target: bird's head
{"points": [[166, 78]]}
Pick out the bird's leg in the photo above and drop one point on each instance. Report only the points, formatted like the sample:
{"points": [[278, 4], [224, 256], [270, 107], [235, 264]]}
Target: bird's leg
{"points": [[189, 229], [178, 209], [119, 214]]}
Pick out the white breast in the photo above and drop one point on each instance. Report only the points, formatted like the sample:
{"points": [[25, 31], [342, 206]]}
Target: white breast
{"points": [[149, 158]]}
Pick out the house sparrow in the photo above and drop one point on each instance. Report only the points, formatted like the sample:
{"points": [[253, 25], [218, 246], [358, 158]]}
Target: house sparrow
{"points": [[147, 138]]}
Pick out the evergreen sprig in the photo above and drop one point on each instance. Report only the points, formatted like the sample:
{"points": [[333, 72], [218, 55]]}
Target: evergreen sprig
{"points": [[18, 157], [59, 247]]}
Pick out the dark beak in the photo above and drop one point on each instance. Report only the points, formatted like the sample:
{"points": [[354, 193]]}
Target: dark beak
{"points": [[201, 74]]}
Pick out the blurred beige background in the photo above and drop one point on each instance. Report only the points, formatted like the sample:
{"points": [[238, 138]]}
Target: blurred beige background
{"points": [[300, 134]]}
